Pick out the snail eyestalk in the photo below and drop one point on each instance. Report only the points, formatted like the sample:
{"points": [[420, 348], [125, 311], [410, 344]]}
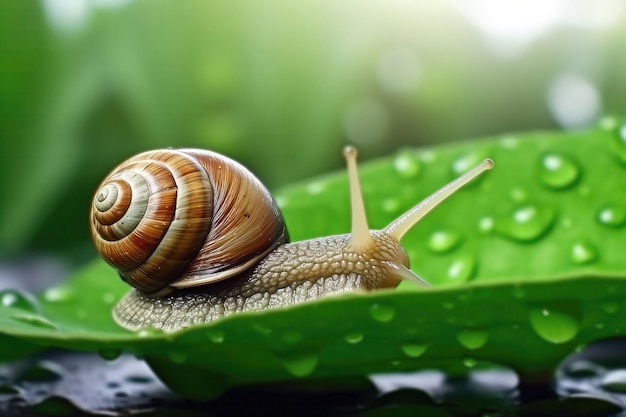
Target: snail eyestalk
{"points": [[361, 237], [404, 223]]}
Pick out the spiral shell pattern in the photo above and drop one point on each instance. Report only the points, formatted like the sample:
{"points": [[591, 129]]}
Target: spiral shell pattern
{"points": [[181, 218]]}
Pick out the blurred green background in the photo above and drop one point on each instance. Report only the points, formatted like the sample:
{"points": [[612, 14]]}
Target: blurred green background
{"points": [[278, 85]]}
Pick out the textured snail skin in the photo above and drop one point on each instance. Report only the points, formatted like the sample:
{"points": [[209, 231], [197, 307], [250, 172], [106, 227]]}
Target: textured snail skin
{"points": [[292, 273]]}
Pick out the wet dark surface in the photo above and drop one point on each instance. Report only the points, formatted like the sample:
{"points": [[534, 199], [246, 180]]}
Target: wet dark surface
{"points": [[590, 383]]}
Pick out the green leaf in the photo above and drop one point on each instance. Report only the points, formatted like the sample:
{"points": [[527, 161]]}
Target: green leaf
{"points": [[525, 263]]}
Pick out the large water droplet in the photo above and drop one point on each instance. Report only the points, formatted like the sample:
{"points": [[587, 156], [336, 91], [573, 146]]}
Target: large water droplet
{"points": [[466, 162], [382, 313], [354, 337], [610, 307], [215, 336], [178, 356], [44, 371], [19, 299], [58, 294], [300, 365], [406, 164], [414, 350], [583, 253], [554, 326], [34, 320], [472, 339], [558, 171], [527, 223], [618, 143], [462, 269], [443, 241], [109, 354], [612, 215]]}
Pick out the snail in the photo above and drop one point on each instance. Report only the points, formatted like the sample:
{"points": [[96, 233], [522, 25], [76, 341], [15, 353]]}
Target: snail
{"points": [[199, 237]]}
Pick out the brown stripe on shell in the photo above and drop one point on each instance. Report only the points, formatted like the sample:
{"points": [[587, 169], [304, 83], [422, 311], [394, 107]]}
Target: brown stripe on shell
{"points": [[246, 223]]}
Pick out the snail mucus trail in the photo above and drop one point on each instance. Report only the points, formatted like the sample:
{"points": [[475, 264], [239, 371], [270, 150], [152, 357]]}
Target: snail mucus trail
{"points": [[199, 237]]}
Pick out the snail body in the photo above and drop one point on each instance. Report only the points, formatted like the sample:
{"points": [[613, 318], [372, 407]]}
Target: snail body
{"points": [[235, 214]]}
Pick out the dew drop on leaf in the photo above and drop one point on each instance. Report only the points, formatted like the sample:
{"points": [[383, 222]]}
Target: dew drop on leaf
{"points": [[472, 339], [414, 350], [19, 299], [615, 381], [34, 320], [109, 354], [583, 253], [382, 313], [443, 241], [612, 215], [215, 336], [354, 337], [177, 356], [300, 365], [618, 143], [466, 162], [406, 164], [610, 307], [150, 332], [527, 223], [558, 171], [390, 205], [462, 269], [470, 362], [58, 294], [486, 224], [553, 326]]}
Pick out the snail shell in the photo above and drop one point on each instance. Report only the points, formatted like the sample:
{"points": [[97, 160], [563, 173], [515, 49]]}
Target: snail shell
{"points": [[170, 219], [177, 224]]}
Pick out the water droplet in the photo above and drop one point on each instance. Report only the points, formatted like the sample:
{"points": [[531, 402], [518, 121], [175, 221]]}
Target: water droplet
{"points": [[554, 326], [612, 215], [509, 142], [615, 381], [462, 269], [583, 253], [414, 350], [354, 337], [292, 337], [466, 162], [518, 194], [109, 354], [527, 223], [558, 171], [406, 164], [34, 320], [428, 156], [316, 188], [518, 291], [486, 224], [382, 313], [109, 298], [150, 332], [472, 339], [215, 336], [608, 123], [443, 241], [391, 205], [470, 362], [300, 365], [19, 299], [259, 328], [178, 356], [610, 307], [618, 143], [58, 294]]}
